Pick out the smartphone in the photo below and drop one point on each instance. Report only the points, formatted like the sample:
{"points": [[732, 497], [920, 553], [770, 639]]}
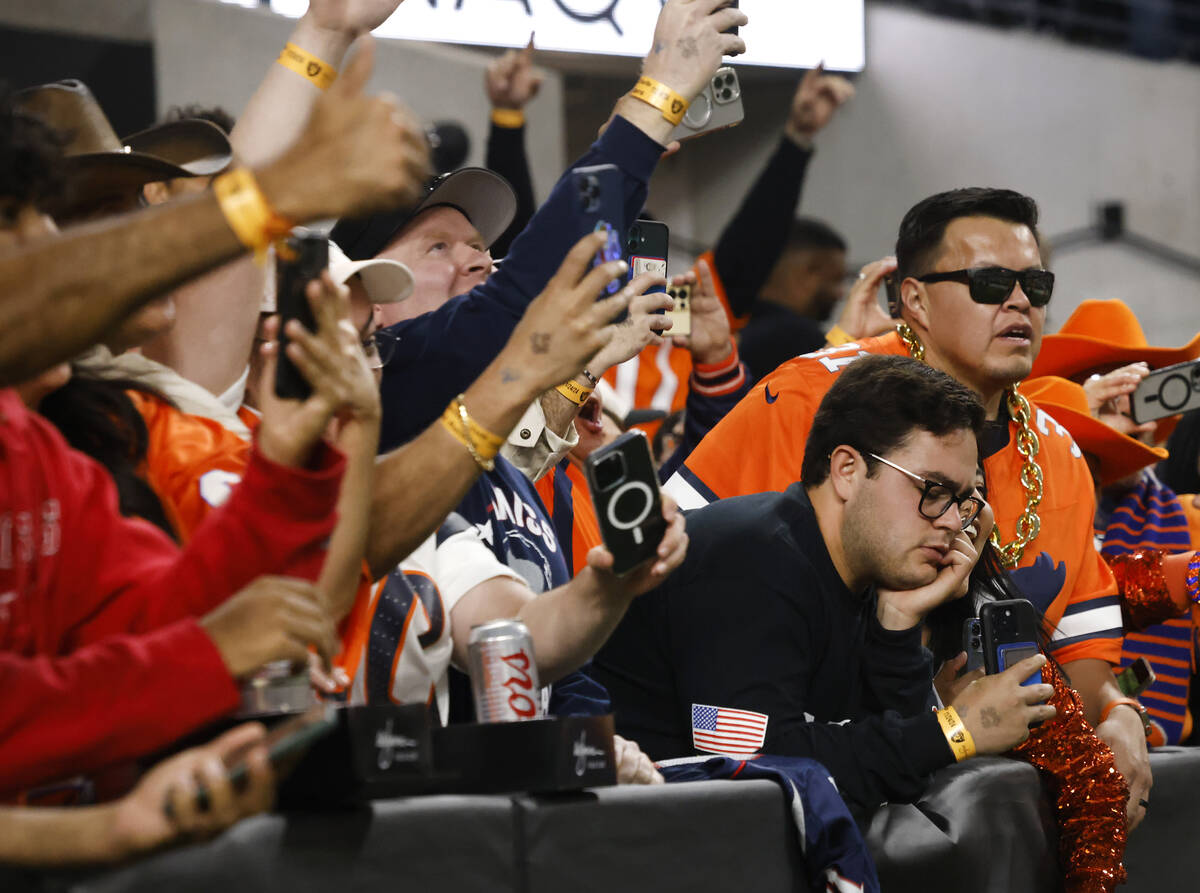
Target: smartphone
{"points": [[892, 288], [1136, 678], [599, 208], [681, 316], [628, 503], [646, 245], [718, 106], [1167, 391], [285, 742], [1009, 630], [972, 643], [299, 260]]}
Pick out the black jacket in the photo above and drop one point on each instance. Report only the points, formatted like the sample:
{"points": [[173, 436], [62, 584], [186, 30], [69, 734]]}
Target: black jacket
{"points": [[758, 619]]}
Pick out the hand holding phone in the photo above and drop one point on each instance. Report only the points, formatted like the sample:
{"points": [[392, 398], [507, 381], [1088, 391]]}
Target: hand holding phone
{"points": [[1168, 391], [1010, 635], [624, 487], [299, 261]]}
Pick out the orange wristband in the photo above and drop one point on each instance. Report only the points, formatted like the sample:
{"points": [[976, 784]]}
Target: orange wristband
{"points": [[837, 336], [510, 119], [247, 211], [320, 73]]}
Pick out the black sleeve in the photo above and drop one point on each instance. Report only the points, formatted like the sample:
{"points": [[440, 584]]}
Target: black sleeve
{"points": [[754, 239], [764, 660], [897, 672], [506, 156]]}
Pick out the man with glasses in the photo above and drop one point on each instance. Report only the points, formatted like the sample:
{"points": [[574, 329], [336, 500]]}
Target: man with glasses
{"points": [[970, 296], [794, 625]]}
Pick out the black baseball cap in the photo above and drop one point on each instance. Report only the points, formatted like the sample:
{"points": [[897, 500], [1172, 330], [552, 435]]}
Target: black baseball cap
{"points": [[484, 197]]}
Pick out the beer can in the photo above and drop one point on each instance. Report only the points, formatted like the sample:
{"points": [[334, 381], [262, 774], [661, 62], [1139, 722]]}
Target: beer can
{"points": [[504, 678]]}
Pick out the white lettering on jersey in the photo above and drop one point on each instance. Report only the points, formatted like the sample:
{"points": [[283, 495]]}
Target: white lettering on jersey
{"points": [[1045, 422], [22, 540], [217, 485], [837, 364], [520, 514]]}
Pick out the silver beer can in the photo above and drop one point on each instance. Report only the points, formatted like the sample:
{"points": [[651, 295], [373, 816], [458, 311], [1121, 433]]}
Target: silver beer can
{"points": [[504, 678]]}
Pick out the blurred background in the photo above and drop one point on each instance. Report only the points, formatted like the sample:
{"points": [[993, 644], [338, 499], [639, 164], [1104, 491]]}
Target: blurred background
{"points": [[1082, 104]]}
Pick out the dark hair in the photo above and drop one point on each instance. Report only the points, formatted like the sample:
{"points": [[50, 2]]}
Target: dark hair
{"points": [[923, 227], [30, 156], [96, 416], [213, 114], [810, 234], [1178, 471], [877, 402]]}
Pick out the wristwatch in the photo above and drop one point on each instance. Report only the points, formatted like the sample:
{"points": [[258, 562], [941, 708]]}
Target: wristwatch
{"points": [[1130, 702]]}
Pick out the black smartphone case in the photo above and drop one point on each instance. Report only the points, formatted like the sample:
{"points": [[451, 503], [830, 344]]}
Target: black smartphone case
{"points": [[1009, 635], [646, 245], [299, 261], [628, 508]]}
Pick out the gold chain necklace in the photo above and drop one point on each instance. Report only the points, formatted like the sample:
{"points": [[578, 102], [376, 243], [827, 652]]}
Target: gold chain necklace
{"points": [[1029, 524]]}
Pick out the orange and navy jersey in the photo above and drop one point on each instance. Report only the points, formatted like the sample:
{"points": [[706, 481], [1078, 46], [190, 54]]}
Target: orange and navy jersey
{"points": [[565, 491], [759, 446], [657, 378], [192, 463]]}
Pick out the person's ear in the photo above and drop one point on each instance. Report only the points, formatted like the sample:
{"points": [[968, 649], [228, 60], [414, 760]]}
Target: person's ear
{"points": [[377, 312], [914, 302], [156, 193], [846, 471]]}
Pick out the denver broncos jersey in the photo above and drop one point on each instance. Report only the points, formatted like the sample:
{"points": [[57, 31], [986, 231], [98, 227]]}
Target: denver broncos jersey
{"points": [[396, 644], [192, 463], [759, 446]]}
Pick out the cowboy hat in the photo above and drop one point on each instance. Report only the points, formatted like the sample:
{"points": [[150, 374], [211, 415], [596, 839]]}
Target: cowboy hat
{"points": [[1104, 333], [1066, 402], [98, 166]]}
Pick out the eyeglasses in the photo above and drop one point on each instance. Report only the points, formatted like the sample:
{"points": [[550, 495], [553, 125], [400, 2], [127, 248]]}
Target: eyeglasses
{"points": [[936, 498], [380, 348], [993, 285]]}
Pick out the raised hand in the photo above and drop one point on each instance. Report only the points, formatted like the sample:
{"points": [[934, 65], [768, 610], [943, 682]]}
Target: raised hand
{"points": [[274, 618], [1108, 398], [643, 326], [511, 80], [332, 361], [710, 339], [862, 316], [351, 17], [689, 44], [998, 710], [565, 326], [356, 154], [817, 99]]}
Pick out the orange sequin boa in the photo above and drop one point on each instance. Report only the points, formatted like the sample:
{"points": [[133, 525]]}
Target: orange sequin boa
{"points": [[1088, 792]]}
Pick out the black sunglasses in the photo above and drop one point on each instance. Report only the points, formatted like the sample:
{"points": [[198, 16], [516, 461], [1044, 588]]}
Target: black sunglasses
{"points": [[993, 285]]}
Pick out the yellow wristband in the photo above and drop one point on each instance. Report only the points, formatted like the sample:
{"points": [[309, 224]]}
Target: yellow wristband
{"points": [[652, 92], [481, 443], [308, 66], [251, 218], [957, 736], [510, 119], [575, 392], [837, 336]]}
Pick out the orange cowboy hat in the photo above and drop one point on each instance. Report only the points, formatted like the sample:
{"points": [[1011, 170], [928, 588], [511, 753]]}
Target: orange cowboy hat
{"points": [[1104, 333], [1119, 454], [98, 166]]}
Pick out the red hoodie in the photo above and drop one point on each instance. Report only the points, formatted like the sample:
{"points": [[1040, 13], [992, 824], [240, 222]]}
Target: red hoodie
{"points": [[100, 657]]}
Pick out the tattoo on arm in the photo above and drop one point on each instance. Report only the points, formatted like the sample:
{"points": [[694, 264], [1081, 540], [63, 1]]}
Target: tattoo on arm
{"points": [[989, 717], [540, 342], [687, 47], [508, 376]]}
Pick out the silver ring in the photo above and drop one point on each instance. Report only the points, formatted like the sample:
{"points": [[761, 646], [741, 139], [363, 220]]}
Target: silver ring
{"points": [[862, 275]]}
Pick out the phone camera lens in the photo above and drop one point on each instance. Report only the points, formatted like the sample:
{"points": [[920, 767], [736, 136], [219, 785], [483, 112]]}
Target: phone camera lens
{"points": [[976, 644]]}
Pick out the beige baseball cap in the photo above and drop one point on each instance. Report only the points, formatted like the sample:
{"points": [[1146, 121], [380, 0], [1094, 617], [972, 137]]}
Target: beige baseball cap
{"points": [[385, 281]]}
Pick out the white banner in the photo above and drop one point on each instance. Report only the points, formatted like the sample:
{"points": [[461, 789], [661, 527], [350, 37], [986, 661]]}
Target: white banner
{"points": [[781, 33]]}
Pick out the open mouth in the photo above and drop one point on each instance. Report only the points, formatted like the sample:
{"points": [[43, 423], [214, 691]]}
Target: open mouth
{"points": [[1018, 333], [589, 415]]}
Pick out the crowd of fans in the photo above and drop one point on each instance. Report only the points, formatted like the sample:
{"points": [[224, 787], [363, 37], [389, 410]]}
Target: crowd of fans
{"points": [[838, 502]]}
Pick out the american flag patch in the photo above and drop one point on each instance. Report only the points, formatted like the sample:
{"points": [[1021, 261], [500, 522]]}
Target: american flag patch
{"points": [[724, 730]]}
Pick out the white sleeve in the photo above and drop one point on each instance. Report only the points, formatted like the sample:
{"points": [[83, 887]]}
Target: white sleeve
{"points": [[533, 447], [463, 561]]}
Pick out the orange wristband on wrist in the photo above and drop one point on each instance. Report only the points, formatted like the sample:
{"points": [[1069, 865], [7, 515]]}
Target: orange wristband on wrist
{"points": [[247, 211], [320, 73], [510, 119], [962, 745], [837, 336], [672, 106]]}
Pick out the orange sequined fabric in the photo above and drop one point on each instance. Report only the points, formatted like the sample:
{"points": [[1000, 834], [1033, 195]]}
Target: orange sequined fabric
{"points": [[1087, 791], [1145, 600]]}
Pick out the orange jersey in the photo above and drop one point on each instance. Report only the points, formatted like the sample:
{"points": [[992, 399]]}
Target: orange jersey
{"points": [[192, 463], [759, 446], [585, 529]]}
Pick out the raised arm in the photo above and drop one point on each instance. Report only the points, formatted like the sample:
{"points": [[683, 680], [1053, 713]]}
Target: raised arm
{"points": [[64, 294], [754, 238], [511, 83]]}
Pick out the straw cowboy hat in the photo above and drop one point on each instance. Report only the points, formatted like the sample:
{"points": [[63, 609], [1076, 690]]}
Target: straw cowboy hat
{"points": [[1119, 454], [1104, 334], [98, 166]]}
